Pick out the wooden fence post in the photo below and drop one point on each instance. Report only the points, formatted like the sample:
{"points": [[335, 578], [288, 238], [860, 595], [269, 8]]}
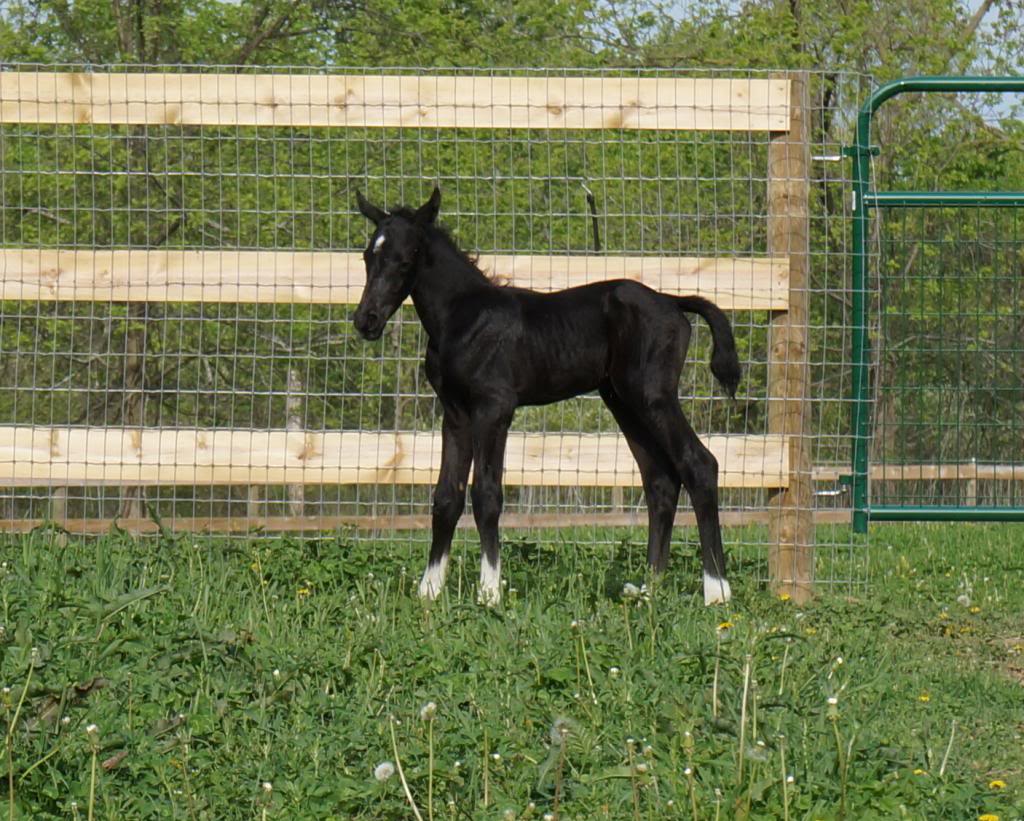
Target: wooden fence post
{"points": [[791, 528]]}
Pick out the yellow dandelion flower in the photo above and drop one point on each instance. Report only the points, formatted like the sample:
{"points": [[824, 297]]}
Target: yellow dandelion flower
{"points": [[810, 631], [988, 816], [975, 609], [924, 698], [919, 771], [302, 592], [997, 784], [784, 596], [254, 567], [725, 625]]}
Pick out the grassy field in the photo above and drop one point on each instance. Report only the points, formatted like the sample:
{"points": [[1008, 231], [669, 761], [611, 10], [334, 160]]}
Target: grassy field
{"points": [[201, 678]]}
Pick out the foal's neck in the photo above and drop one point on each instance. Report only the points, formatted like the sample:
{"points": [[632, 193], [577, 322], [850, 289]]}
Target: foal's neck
{"points": [[444, 273]]}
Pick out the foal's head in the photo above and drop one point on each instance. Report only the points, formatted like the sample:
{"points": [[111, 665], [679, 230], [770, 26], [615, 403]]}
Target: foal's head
{"points": [[390, 260]]}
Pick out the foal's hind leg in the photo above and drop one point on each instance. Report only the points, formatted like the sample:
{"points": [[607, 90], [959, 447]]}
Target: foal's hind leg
{"points": [[449, 500], [698, 469], [648, 387], [661, 483]]}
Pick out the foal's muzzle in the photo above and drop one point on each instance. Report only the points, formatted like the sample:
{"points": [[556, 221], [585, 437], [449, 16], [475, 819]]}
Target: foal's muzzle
{"points": [[369, 324]]}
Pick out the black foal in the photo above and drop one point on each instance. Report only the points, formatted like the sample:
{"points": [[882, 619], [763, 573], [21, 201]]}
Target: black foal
{"points": [[492, 349]]}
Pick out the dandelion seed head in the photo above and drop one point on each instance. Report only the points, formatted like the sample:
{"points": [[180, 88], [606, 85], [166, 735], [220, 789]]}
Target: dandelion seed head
{"points": [[92, 729], [963, 600], [614, 672], [509, 815], [496, 758], [66, 720], [276, 673], [384, 771], [574, 625], [688, 772], [833, 701], [790, 779], [548, 816], [630, 591], [641, 768], [267, 787], [428, 711]]}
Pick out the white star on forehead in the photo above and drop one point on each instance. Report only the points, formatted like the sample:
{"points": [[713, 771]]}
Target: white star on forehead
{"points": [[378, 244]]}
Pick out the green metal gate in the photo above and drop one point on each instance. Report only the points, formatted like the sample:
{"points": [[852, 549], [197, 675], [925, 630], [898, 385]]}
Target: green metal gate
{"points": [[946, 443]]}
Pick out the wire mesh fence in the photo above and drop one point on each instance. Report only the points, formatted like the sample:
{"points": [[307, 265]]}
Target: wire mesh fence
{"points": [[177, 276], [951, 378]]}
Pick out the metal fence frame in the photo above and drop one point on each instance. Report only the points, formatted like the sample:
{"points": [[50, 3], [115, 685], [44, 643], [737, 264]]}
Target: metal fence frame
{"points": [[864, 200]]}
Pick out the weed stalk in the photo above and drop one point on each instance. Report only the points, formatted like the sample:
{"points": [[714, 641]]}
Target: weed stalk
{"points": [[949, 748], [12, 723], [401, 773], [743, 718]]}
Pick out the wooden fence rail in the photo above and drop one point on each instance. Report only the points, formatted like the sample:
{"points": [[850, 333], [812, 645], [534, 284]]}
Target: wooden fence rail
{"points": [[323, 277]]}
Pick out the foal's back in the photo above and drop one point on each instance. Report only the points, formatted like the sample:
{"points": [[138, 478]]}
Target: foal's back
{"points": [[553, 346]]}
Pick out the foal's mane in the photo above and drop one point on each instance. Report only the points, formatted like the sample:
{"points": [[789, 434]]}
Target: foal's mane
{"points": [[440, 233]]}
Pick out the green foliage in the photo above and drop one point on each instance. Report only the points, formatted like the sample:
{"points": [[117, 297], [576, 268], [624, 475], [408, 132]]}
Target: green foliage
{"points": [[210, 667]]}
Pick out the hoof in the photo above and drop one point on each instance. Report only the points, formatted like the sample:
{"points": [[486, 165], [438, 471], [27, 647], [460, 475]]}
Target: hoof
{"points": [[432, 582], [716, 591]]}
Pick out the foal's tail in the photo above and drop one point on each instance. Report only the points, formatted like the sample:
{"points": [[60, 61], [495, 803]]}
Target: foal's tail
{"points": [[725, 364]]}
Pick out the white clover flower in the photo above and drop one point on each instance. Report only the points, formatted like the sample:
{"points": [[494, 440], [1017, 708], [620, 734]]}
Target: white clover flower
{"points": [[614, 672], [276, 673], [790, 779], [833, 701], [641, 768], [267, 787], [92, 729], [687, 771], [428, 711], [496, 758], [384, 771]]}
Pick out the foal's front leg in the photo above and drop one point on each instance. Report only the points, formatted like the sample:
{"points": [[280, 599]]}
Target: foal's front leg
{"points": [[490, 433], [449, 499]]}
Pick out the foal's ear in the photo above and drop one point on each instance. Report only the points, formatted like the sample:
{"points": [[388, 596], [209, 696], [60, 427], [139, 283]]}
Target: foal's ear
{"points": [[427, 213], [368, 209]]}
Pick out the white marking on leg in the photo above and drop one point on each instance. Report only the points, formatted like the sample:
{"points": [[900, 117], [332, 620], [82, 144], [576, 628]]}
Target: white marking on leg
{"points": [[716, 590], [490, 582], [433, 579], [378, 244]]}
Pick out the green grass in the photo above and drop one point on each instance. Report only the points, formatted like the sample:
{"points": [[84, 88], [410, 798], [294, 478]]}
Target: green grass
{"points": [[267, 679]]}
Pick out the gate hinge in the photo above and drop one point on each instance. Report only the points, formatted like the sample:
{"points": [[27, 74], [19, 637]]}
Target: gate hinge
{"points": [[866, 151]]}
